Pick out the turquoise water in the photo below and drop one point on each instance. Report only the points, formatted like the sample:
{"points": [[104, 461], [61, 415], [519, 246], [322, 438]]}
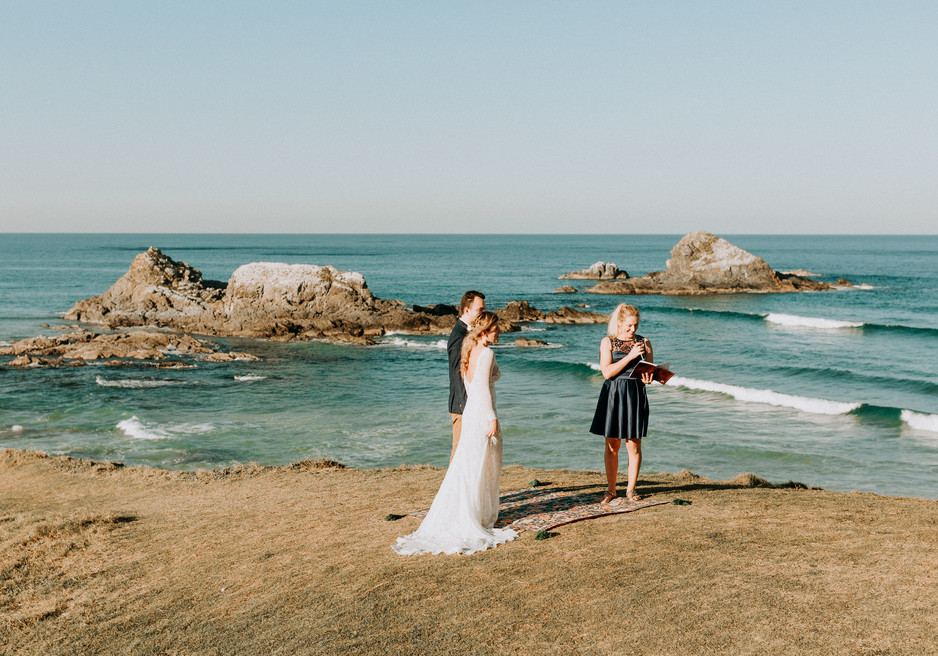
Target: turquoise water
{"points": [[763, 384]]}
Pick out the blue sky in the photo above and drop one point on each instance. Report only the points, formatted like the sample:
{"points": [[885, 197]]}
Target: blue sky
{"points": [[528, 117]]}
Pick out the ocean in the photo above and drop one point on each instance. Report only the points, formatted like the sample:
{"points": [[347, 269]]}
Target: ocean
{"points": [[835, 389]]}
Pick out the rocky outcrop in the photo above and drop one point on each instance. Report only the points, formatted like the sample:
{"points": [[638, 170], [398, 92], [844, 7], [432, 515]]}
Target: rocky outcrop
{"points": [[524, 342], [598, 271], [566, 289], [522, 311], [516, 311], [81, 346], [702, 263], [281, 302], [155, 291], [569, 315], [262, 299]]}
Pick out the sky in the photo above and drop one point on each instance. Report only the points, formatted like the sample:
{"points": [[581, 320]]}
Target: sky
{"points": [[622, 117]]}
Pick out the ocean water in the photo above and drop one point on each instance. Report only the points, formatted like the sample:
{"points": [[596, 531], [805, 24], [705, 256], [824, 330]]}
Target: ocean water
{"points": [[834, 389]]}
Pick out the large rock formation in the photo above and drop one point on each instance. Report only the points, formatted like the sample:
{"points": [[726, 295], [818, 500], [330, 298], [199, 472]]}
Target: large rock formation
{"points": [[276, 301], [598, 271], [282, 301], [156, 290], [702, 263]]}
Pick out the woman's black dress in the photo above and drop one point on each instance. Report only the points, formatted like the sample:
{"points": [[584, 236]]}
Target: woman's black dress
{"points": [[622, 410]]}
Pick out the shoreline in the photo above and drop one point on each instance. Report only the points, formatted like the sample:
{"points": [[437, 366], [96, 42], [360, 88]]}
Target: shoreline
{"points": [[98, 558]]}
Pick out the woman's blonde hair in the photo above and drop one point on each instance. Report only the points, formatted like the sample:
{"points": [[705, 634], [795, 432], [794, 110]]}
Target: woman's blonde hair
{"points": [[622, 311], [483, 324]]}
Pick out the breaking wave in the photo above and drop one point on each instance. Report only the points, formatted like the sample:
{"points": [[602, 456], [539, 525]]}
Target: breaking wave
{"points": [[794, 320], [920, 420], [751, 395], [864, 411], [249, 378], [141, 430]]}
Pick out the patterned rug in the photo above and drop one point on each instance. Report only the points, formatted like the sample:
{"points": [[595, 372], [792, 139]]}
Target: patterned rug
{"points": [[541, 509]]}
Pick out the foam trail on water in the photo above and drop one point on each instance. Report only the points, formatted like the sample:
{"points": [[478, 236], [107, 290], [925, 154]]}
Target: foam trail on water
{"points": [[409, 343], [809, 322], [135, 428], [751, 395], [135, 383], [247, 378], [140, 430], [920, 420]]}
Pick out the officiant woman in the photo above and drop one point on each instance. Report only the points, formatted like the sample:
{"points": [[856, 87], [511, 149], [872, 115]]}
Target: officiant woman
{"points": [[622, 410]]}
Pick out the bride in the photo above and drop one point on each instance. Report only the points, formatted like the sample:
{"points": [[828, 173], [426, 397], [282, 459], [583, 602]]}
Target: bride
{"points": [[462, 516]]}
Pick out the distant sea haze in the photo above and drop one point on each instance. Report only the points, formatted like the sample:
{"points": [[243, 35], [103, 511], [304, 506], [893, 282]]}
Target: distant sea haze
{"points": [[835, 389]]}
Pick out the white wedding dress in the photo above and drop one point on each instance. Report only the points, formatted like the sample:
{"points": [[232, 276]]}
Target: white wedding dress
{"points": [[462, 516]]}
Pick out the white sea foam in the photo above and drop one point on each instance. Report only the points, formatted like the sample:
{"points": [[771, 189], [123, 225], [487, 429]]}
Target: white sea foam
{"points": [[141, 430], [135, 428], [532, 329], [410, 343], [594, 366], [751, 395], [4, 344], [135, 383], [862, 287], [793, 320], [920, 420], [16, 428], [247, 378]]}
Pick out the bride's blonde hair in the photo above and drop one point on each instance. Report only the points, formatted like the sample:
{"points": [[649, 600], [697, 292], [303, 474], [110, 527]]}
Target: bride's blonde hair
{"points": [[483, 324], [622, 311]]}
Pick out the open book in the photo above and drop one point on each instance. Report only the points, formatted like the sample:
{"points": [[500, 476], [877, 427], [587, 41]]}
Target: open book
{"points": [[659, 371]]}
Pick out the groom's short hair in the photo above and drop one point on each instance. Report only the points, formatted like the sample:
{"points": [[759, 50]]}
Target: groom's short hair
{"points": [[468, 298]]}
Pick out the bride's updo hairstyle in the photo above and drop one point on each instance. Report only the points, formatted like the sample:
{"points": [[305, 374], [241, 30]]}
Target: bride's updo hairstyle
{"points": [[618, 316], [484, 323]]}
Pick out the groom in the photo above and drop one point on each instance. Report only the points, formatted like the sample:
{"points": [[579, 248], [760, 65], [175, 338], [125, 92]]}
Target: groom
{"points": [[471, 305]]}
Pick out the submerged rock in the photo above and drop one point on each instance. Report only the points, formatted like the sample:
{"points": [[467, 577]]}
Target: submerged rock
{"points": [[569, 315], [524, 342], [702, 263], [81, 346], [522, 311], [566, 289]]}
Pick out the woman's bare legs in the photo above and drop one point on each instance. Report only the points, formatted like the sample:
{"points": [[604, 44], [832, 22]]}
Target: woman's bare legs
{"points": [[634, 448], [611, 458]]}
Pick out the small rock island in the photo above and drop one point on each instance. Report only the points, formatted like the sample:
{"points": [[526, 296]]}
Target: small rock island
{"points": [[702, 263]]}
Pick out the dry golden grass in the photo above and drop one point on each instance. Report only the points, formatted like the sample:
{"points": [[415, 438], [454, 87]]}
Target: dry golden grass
{"points": [[101, 559]]}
